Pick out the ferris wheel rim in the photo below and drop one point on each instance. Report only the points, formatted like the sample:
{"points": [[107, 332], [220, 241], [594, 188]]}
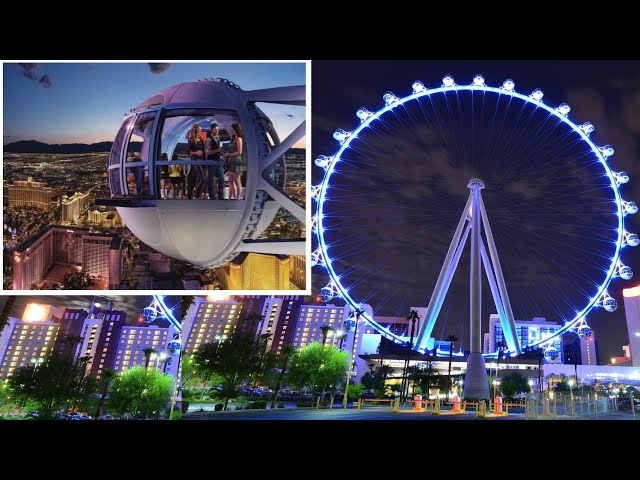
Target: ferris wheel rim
{"points": [[527, 99]]}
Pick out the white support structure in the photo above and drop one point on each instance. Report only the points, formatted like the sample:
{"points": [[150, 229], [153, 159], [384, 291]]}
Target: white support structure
{"points": [[492, 268], [426, 327]]}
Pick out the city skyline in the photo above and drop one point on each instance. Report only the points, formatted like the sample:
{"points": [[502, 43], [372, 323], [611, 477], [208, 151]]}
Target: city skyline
{"points": [[86, 102]]}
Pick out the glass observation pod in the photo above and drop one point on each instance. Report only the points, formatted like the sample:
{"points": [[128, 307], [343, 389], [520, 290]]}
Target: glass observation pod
{"points": [[179, 200]]}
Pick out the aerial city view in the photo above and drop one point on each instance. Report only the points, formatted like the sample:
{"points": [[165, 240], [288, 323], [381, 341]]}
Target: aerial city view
{"points": [[84, 358], [202, 186]]}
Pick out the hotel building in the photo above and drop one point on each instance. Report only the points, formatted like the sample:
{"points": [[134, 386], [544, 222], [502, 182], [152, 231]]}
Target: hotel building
{"points": [[27, 341], [27, 193], [97, 254]]}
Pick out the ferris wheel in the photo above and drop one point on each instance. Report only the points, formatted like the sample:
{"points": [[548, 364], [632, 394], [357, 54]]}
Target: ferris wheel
{"points": [[552, 197]]}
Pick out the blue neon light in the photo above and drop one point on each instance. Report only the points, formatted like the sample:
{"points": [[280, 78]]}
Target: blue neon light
{"points": [[508, 88], [168, 313]]}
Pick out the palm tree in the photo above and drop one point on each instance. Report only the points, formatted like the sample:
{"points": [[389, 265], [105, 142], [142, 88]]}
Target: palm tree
{"points": [[6, 310], [287, 352], [147, 355], [412, 317], [72, 341], [325, 329], [451, 339], [187, 301], [108, 375], [254, 318]]}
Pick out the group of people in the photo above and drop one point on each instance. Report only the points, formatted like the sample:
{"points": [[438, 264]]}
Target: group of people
{"points": [[200, 178]]}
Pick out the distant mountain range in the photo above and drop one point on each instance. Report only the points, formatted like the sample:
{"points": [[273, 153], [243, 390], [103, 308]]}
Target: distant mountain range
{"points": [[33, 146]]}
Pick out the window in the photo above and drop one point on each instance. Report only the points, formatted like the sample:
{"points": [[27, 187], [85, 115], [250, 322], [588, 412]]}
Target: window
{"points": [[137, 180]]}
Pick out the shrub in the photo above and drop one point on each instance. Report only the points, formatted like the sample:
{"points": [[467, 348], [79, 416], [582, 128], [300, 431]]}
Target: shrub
{"points": [[176, 416], [280, 405], [306, 404], [258, 405], [185, 406]]}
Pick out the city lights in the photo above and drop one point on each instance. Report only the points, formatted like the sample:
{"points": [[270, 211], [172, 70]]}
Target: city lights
{"points": [[34, 312]]}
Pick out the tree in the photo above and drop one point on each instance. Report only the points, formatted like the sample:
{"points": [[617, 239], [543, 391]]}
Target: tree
{"points": [[108, 375], [451, 339], [237, 359], [317, 366], [513, 384], [412, 317], [530, 353], [139, 391], [285, 354], [187, 301], [325, 329], [355, 390], [6, 310], [255, 319], [148, 351], [77, 281], [60, 379], [71, 341]]}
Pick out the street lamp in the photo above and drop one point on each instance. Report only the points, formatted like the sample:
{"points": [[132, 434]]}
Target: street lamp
{"points": [[36, 362], [495, 386], [163, 359], [340, 334], [356, 313], [571, 384], [531, 385]]}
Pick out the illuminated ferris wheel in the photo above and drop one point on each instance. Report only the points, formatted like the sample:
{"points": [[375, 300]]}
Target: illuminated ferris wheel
{"points": [[550, 194]]}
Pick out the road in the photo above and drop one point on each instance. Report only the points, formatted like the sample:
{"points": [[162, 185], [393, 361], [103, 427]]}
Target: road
{"points": [[369, 413]]}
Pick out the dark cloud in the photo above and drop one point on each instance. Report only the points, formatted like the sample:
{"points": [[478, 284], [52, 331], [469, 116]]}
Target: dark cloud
{"points": [[159, 68], [45, 81], [29, 70]]}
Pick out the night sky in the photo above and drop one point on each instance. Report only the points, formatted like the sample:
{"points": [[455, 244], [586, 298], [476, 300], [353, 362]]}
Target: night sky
{"points": [[547, 200], [86, 102], [131, 304]]}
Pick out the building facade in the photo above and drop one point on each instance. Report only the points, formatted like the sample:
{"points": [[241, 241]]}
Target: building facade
{"points": [[632, 312], [27, 193], [135, 339], [96, 254], [74, 206], [256, 271], [27, 341], [528, 332], [208, 319], [105, 218]]}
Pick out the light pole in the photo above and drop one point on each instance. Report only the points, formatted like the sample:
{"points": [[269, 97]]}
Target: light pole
{"points": [[163, 359], [220, 339], [495, 386], [35, 361], [357, 314], [571, 407]]}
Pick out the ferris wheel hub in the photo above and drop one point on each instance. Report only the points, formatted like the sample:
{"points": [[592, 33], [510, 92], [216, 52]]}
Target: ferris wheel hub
{"points": [[475, 182]]}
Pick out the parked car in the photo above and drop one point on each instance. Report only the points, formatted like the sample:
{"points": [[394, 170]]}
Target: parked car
{"points": [[368, 395], [624, 404]]}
